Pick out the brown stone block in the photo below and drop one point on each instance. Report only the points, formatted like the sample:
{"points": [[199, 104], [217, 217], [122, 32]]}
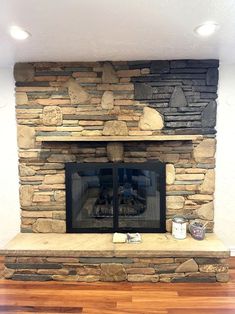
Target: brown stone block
{"points": [[141, 270], [37, 198], [65, 277], [61, 271], [62, 260], [208, 185], [166, 268], [222, 277], [54, 179], [26, 195], [88, 270], [84, 74], [45, 78], [112, 272], [156, 260], [49, 225], [30, 259], [143, 278], [128, 73], [116, 87], [23, 72], [26, 136], [90, 278], [187, 266], [21, 98], [217, 268], [170, 277]]}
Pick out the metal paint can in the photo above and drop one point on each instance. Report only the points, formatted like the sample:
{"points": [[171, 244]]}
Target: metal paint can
{"points": [[179, 227]]}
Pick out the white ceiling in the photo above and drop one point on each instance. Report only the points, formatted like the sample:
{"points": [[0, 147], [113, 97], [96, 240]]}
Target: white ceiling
{"points": [[77, 30]]}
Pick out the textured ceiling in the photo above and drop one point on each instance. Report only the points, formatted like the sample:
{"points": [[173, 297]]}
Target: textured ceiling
{"points": [[71, 30]]}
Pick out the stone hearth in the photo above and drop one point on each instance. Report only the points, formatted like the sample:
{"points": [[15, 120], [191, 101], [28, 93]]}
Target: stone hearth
{"points": [[93, 257]]}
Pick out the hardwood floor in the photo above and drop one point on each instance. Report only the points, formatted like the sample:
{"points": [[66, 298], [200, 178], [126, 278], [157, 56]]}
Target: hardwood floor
{"points": [[117, 298]]}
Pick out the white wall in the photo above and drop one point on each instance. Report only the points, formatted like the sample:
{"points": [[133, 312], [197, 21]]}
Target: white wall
{"points": [[225, 163], [9, 195]]}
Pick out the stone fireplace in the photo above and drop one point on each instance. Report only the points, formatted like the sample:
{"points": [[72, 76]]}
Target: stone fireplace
{"points": [[158, 113]]}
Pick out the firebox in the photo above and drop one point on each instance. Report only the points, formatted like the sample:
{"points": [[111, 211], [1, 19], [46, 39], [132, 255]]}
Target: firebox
{"points": [[110, 197]]}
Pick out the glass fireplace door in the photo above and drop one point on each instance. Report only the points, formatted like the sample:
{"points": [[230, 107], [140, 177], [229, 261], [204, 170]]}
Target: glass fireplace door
{"points": [[110, 197]]}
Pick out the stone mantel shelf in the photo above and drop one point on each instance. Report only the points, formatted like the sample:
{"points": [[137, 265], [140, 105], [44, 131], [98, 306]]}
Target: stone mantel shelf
{"points": [[118, 138]]}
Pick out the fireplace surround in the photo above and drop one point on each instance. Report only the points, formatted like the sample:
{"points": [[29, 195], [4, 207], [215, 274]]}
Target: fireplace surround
{"points": [[160, 111], [115, 197]]}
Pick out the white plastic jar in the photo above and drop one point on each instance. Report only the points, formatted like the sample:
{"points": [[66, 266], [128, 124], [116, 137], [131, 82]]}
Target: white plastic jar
{"points": [[179, 227]]}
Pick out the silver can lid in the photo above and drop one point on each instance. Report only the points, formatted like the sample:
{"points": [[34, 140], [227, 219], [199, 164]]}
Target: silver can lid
{"points": [[179, 219]]}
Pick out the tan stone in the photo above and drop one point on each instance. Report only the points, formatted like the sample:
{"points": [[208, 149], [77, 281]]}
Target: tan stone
{"points": [[189, 177], [52, 115], [26, 171], [140, 133], [26, 136], [115, 151], [8, 273], [36, 214], [169, 225], [54, 179], [26, 195], [128, 73], [21, 98], [222, 277], [91, 133], [206, 211], [143, 278], [200, 197], [112, 272], [170, 174], [115, 128], [65, 277], [89, 278], [107, 100], [120, 87], [49, 225], [61, 271], [23, 72], [206, 149], [187, 266], [208, 185], [90, 122], [150, 120], [141, 270], [77, 93], [109, 74], [59, 196], [211, 268], [60, 215], [175, 202], [51, 101], [41, 198]]}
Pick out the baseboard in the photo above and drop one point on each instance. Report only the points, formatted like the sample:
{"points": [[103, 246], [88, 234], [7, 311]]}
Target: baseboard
{"points": [[232, 251]]}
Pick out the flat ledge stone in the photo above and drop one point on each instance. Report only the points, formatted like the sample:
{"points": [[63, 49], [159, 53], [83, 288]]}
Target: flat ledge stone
{"points": [[100, 245]]}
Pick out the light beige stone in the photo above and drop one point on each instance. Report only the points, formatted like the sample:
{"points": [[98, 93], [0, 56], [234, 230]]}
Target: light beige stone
{"points": [[26, 195], [115, 151], [49, 226], [206, 211], [175, 202], [36, 214], [211, 268], [38, 198], [143, 278], [170, 174], [188, 266], [77, 94], [23, 72], [107, 100], [206, 149], [26, 136], [150, 120], [222, 277], [59, 196], [115, 128], [189, 177], [52, 115], [208, 185], [91, 133], [21, 98], [200, 197], [26, 171], [54, 179], [109, 74]]}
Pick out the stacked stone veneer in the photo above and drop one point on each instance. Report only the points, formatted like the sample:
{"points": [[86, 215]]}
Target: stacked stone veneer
{"points": [[141, 98], [133, 269]]}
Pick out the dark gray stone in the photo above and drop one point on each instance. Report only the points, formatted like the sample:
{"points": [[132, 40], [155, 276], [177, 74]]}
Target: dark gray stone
{"points": [[209, 96], [178, 98], [182, 118], [32, 84], [206, 89], [23, 72], [53, 73], [185, 124], [146, 78], [89, 117], [212, 76], [31, 277], [209, 115], [176, 64], [139, 64], [191, 109], [188, 131], [179, 76], [197, 278], [161, 96], [207, 260], [207, 131], [189, 70], [33, 266], [198, 82], [143, 91], [99, 260], [203, 63], [166, 83], [160, 66]]}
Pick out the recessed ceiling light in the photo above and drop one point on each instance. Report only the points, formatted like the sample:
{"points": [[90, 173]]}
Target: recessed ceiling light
{"points": [[19, 33], [206, 29]]}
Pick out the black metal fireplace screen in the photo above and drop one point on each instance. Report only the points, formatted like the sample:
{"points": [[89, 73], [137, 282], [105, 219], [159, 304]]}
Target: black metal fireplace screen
{"points": [[110, 197]]}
